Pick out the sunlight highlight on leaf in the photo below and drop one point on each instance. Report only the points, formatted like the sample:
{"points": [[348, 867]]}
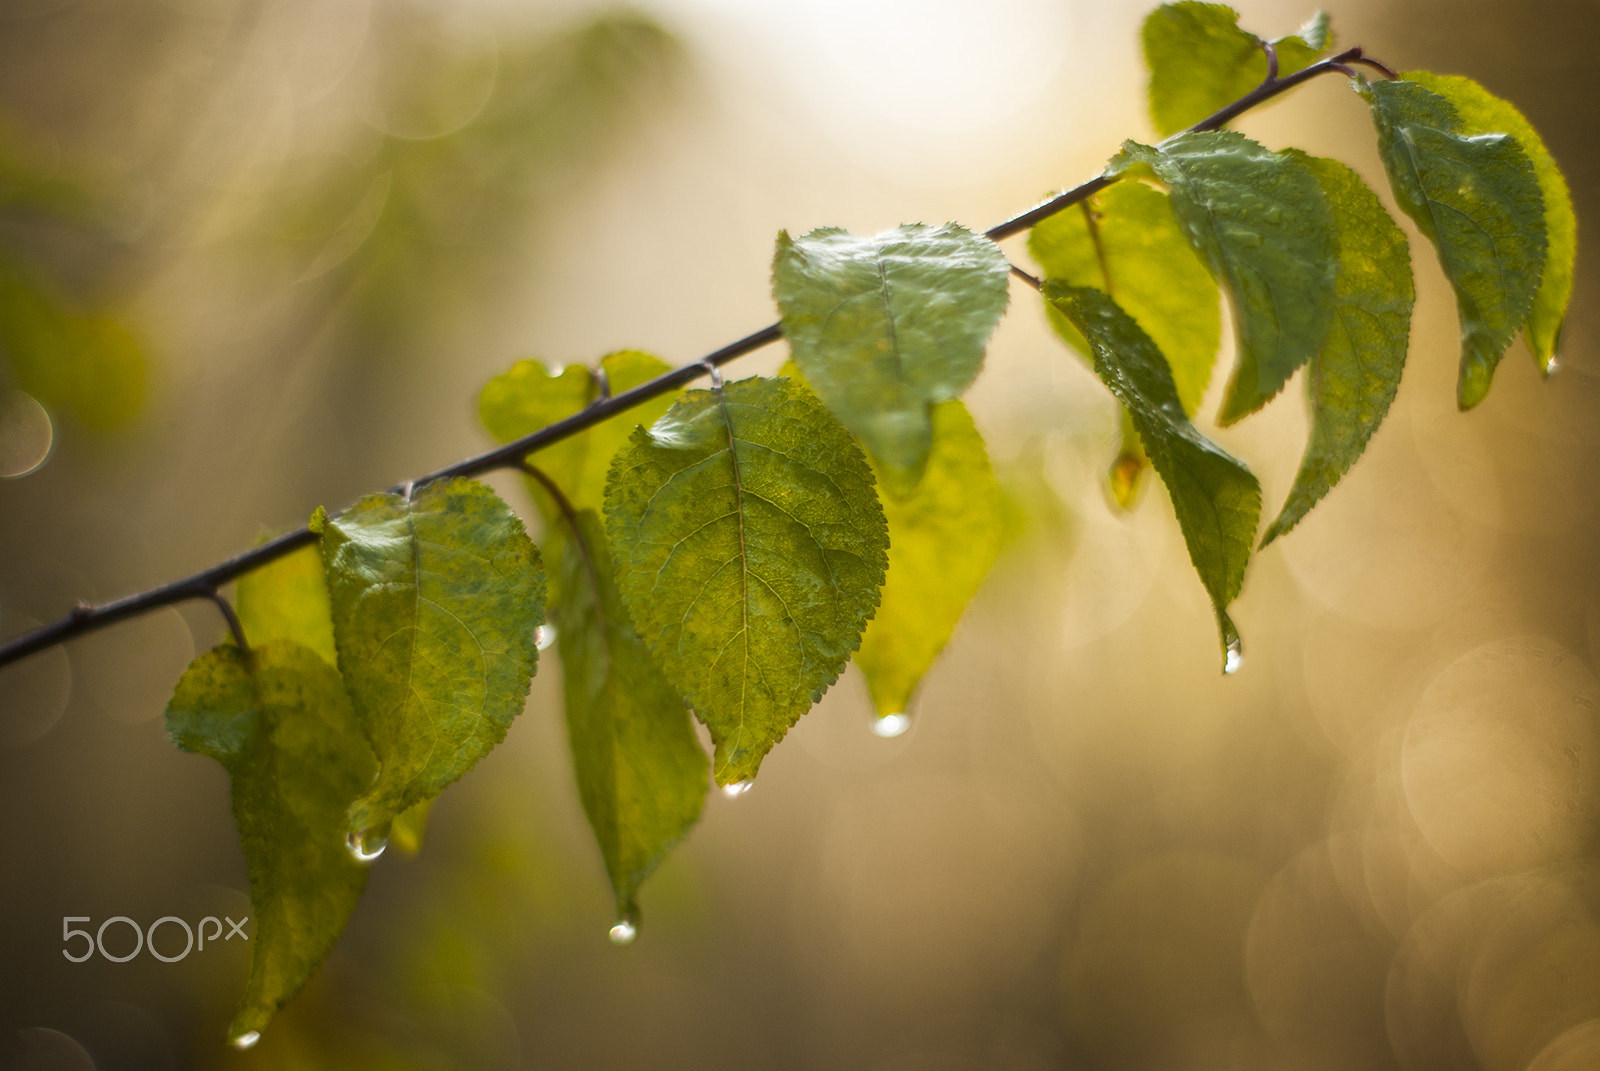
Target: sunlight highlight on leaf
{"points": [[1477, 199], [1199, 59], [1264, 228], [943, 538], [885, 327], [1354, 377], [1481, 112]]}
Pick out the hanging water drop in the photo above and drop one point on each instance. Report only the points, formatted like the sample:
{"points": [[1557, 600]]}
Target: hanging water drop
{"points": [[1235, 656], [737, 788], [544, 636], [1552, 366], [626, 929], [246, 1041], [891, 725], [366, 845]]}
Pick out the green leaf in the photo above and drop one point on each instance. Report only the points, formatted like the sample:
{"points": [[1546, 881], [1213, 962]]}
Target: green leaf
{"points": [[1477, 199], [1265, 230], [1127, 243], [529, 397], [1217, 500], [288, 600], [282, 727], [1481, 112], [435, 603], [942, 541], [885, 327], [1199, 59], [1354, 378], [641, 773], [749, 547]]}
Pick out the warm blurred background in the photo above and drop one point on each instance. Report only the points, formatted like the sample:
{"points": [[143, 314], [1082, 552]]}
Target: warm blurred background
{"points": [[276, 248]]}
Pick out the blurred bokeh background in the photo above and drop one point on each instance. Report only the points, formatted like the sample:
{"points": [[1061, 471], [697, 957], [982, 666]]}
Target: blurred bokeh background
{"points": [[275, 249]]}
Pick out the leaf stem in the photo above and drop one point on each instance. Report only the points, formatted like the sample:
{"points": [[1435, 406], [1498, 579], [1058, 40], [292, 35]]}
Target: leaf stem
{"points": [[205, 584], [226, 609], [570, 515]]}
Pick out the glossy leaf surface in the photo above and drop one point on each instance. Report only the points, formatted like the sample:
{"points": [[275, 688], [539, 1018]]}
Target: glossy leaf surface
{"points": [[1126, 242], [1481, 112], [1355, 376], [885, 327], [1477, 199], [1217, 500], [1261, 223], [749, 547]]}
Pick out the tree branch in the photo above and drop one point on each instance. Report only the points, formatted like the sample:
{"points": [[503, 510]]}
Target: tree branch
{"points": [[203, 585]]}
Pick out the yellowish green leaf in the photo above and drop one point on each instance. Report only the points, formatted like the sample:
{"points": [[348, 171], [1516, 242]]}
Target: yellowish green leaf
{"points": [[281, 724], [749, 547], [942, 540], [435, 602], [1477, 199], [1355, 376], [1481, 112]]}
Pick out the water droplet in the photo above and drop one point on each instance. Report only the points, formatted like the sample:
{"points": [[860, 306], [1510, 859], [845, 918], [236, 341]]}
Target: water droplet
{"points": [[366, 845], [246, 1041], [1553, 365], [544, 636], [891, 725], [737, 789], [626, 929], [1235, 656]]}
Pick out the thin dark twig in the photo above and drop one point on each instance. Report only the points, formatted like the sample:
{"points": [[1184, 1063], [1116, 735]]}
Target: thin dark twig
{"points": [[570, 515], [204, 584], [1272, 61], [602, 382]]}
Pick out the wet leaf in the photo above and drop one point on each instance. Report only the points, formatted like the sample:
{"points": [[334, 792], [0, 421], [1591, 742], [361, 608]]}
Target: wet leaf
{"points": [[885, 327], [1355, 376], [1217, 500], [749, 547], [641, 773], [1127, 243], [1477, 199], [1481, 112], [1263, 227], [435, 602], [288, 600]]}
